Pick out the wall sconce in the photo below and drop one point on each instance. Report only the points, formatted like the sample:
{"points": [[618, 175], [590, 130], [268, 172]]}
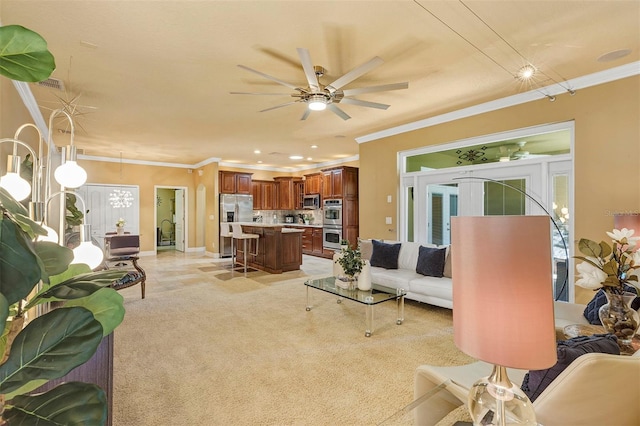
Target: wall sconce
{"points": [[69, 174]]}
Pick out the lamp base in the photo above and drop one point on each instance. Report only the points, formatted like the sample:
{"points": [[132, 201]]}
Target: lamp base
{"points": [[494, 400]]}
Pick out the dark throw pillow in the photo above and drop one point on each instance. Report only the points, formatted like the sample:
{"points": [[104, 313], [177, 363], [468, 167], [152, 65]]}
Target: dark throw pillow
{"points": [[591, 310], [536, 381], [385, 255], [431, 261]]}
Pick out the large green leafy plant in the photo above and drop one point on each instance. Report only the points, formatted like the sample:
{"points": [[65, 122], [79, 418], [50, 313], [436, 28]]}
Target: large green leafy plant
{"points": [[38, 273], [34, 276]]}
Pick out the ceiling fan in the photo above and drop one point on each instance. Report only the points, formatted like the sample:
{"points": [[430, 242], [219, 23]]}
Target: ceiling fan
{"points": [[318, 96]]}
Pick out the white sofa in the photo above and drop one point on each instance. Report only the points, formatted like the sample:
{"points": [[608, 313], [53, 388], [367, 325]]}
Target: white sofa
{"points": [[439, 291], [431, 290]]}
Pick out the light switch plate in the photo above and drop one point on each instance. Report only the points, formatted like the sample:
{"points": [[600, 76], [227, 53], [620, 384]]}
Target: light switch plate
{"points": [[387, 220], [389, 198]]}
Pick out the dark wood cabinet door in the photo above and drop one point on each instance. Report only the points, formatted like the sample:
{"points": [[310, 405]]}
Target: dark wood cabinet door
{"points": [[336, 184], [256, 190], [327, 191], [298, 195], [317, 241], [269, 196], [227, 182], [243, 183]]}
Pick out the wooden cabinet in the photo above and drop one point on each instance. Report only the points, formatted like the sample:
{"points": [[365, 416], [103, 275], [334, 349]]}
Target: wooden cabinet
{"points": [[340, 182], [286, 192], [313, 183], [317, 242], [234, 182], [298, 194], [332, 184], [277, 251], [265, 195]]}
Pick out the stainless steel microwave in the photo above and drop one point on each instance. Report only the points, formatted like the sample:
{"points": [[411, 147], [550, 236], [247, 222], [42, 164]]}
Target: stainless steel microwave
{"points": [[311, 201]]}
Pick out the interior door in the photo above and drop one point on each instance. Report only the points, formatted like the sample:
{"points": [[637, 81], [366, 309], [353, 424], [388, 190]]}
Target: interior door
{"points": [[179, 220]]}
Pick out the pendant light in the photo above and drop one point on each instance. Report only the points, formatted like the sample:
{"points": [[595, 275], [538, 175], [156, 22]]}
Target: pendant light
{"points": [[69, 174]]}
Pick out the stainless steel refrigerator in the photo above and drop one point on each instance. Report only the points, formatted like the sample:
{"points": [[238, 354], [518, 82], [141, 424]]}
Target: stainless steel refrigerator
{"points": [[234, 208]]}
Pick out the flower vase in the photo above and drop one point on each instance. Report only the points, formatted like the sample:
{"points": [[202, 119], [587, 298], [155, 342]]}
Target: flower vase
{"points": [[120, 230], [618, 317], [353, 282]]}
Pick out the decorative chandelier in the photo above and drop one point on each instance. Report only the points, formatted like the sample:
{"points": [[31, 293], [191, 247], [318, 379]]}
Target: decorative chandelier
{"points": [[120, 198]]}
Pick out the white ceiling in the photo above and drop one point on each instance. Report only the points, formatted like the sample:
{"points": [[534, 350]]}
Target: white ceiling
{"points": [[154, 76]]}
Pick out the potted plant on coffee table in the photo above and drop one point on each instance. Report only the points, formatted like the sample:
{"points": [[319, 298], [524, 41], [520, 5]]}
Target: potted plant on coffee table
{"points": [[350, 259]]}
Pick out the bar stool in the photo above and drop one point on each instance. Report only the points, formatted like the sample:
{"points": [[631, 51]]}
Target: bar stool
{"points": [[225, 231], [239, 235]]}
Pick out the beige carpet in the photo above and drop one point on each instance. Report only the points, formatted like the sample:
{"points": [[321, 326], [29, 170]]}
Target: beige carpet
{"points": [[211, 347]]}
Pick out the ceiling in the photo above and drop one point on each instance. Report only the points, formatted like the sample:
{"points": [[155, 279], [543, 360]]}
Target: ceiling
{"points": [[151, 79]]}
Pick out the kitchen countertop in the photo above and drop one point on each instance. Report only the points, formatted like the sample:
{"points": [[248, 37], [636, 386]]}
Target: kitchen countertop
{"points": [[270, 225], [284, 225]]}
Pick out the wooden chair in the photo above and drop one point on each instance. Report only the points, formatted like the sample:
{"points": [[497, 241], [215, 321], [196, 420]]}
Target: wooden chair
{"points": [[122, 248]]}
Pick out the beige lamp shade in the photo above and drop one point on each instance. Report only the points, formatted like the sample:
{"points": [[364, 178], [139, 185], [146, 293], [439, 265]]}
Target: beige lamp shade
{"points": [[502, 290], [629, 221]]}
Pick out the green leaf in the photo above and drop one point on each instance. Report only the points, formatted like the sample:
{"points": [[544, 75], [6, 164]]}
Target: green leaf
{"points": [[4, 313], [50, 346], [73, 270], [589, 248], [8, 202], [55, 258], [605, 249], [24, 55], [69, 404], [19, 266], [107, 307]]}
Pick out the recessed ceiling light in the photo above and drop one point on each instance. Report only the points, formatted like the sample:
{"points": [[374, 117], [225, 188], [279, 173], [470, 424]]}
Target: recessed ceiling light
{"points": [[259, 161], [296, 157], [257, 151], [612, 56], [314, 146], [309, 158]]}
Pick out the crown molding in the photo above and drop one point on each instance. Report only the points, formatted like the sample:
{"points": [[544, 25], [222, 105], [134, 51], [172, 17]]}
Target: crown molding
{"points": [[594, 79], [292, 169]]}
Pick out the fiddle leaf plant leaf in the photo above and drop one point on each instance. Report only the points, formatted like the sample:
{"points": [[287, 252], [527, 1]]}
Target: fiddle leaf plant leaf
{"points": [[18, 276], [24, 55], [50, 346], [72, 403], [55, 258], [106, 305]]}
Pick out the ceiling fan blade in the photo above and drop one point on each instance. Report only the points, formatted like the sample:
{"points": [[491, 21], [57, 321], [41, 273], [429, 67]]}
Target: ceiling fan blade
{"points": [[363, 103], [371, 89], [279, 106], [355, 73], [259, 93], [268, 77], [340, 113], [307, 66], [307, 111]]}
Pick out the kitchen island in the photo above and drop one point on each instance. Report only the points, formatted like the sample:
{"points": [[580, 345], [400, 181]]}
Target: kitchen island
{"points": [[279, 248]]}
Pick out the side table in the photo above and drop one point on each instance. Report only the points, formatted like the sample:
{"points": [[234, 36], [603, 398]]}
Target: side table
{"points": [[575, 330]]}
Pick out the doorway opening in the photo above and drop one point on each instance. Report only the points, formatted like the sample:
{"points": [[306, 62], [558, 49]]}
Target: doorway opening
{"points": [[170, 213]]}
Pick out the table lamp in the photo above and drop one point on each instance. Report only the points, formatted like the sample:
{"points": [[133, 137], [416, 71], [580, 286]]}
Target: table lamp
{"points": [[503, 308]]}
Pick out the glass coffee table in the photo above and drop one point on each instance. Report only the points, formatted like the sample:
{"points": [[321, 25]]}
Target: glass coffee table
{"points": [[369, 298]]}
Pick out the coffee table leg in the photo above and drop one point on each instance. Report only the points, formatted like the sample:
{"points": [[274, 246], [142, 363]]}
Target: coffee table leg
{"points": [[369, 314], [400, 302], [308, 304]]}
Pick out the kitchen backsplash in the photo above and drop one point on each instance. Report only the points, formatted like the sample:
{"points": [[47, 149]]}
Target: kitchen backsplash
{"points": [[279, 216]]}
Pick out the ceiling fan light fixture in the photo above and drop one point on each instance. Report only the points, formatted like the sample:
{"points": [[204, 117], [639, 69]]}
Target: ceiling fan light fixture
{"points": [[317, 102]]}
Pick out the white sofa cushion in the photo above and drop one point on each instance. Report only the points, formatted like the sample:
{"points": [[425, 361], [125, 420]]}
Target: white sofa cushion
{"points": [[432, 286]]}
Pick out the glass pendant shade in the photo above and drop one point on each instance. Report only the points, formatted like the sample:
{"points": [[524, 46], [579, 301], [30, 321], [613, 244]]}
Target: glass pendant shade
{"points": [[70, 175], [52, 236], [88, 254], [16, 186]]}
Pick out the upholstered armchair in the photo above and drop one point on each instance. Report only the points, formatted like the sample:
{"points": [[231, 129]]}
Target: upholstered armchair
{"points": [[595, 389]]}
